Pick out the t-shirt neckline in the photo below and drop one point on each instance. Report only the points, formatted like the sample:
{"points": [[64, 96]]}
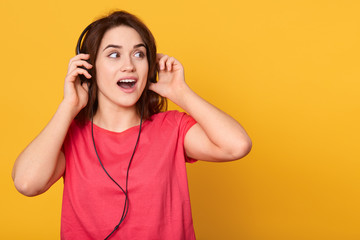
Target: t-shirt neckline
{"points": [[104, 130]]}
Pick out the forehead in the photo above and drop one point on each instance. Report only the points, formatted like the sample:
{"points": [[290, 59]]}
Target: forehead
{"points": [[121, 35]]}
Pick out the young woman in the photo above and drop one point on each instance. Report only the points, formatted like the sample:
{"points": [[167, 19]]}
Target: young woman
{"points": [[122, 157]]}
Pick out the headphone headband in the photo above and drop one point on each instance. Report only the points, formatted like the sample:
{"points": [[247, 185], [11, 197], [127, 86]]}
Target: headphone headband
{"points": [[78, 45]]}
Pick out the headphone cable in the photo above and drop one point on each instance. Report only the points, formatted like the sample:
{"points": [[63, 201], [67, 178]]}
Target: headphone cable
{"points": [[126, 204]]}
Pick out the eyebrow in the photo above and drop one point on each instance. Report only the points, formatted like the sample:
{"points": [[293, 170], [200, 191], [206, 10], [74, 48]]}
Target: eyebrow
{"points": [[118, 46]]}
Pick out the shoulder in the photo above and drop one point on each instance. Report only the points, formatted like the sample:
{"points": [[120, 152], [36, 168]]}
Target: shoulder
{"points": [[172, 117], [173, 121]]}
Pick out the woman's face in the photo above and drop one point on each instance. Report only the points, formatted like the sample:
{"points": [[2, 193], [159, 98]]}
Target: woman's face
{"points": [[121, 68]]}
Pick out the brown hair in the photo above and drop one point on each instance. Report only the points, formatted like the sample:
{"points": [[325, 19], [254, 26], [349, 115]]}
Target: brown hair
{"points": [[152, 102]]}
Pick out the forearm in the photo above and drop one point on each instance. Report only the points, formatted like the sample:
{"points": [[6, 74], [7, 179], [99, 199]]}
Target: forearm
{"points": [[36, 165], [221, 129]]}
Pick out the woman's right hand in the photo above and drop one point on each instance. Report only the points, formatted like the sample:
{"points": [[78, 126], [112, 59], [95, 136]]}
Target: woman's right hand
{"points": [[76, 93]]}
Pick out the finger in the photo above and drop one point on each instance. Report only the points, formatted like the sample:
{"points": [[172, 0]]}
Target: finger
{"points": [[79, 60], [162, 61], [81, 56], [72, 75], [83, 72], [79, 64], [169, 63]]}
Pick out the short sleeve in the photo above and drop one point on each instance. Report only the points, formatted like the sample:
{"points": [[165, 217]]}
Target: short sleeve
{"points": [[186, 122]]}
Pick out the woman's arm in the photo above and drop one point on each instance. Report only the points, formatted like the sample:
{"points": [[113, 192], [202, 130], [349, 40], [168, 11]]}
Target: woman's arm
{"points": [[216, 136], [42, 163]]}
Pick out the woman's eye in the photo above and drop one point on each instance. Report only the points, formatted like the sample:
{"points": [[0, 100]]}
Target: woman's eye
{"points": [[114, 55], [139, 54]]}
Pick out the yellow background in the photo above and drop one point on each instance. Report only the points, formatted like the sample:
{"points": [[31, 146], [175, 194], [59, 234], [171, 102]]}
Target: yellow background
{"points": [[288, 71]]}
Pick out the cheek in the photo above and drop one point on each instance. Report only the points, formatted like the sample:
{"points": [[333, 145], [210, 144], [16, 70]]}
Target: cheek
{"points": [[144, 76], [142, 71], [103, 71]]}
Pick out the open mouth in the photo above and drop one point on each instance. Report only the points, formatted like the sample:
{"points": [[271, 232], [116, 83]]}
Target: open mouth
{"points": [[126, 83]]}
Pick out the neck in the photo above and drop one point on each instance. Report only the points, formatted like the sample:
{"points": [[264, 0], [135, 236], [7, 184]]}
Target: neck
{"points": [[117, 120]]}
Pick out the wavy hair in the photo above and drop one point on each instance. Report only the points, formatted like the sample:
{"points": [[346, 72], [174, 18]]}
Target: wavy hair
{"points": [[151, 102]]}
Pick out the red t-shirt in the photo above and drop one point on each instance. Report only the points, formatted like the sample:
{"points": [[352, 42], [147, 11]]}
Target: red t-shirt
{"points": [[159, 203]]}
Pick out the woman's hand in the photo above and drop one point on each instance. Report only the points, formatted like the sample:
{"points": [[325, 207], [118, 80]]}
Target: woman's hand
{"points": [[171, 77], [216, 136], [75, 93], [42, 162]]}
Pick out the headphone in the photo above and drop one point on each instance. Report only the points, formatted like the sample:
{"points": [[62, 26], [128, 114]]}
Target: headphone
{"points": [[77, 51], [84, 79]]}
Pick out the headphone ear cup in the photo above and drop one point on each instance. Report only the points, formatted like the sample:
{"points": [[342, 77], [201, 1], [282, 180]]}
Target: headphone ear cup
{"points": [[154, 76]]}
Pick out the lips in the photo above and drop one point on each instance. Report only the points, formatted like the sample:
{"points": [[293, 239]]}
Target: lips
{"points": [[126, 83]]}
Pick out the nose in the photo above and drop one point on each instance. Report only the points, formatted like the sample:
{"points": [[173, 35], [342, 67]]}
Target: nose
{"points": [[127, 65]]}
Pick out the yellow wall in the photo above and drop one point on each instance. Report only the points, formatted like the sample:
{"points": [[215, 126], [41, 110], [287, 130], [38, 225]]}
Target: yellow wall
{"points": [[287, 70]]}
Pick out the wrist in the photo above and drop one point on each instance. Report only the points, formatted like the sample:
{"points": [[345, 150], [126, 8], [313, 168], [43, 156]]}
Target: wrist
{"points": [[180, 95], [68, 110]]}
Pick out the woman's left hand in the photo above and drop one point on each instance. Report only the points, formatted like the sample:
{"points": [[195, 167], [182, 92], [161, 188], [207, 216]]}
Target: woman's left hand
{"points": [[171, 77]]}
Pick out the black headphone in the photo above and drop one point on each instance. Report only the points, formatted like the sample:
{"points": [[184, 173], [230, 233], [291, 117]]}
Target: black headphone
{"points": [[84, 79], [77, 51]]}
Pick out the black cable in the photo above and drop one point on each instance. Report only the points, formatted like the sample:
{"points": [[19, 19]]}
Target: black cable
{"points": [[126, 204]]}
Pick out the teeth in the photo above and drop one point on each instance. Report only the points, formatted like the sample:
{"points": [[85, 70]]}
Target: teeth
{"points": [[127, 80]]}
